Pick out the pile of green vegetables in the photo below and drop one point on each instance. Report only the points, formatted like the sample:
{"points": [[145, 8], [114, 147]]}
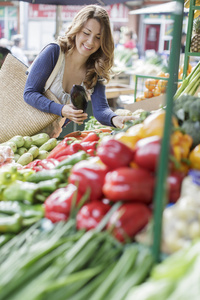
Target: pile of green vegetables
{"points": [[190, 84], [29, 148], [187, 110], [187, 105], [176, 278], [58, 262]]}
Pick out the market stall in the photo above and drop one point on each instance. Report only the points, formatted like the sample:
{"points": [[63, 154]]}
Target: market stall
{"points": [[106, 213]]}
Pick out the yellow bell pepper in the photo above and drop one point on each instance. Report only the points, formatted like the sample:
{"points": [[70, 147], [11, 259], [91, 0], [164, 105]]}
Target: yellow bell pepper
{"points": [[154, 124], [194, 158], [131, 136], [181, 144]]}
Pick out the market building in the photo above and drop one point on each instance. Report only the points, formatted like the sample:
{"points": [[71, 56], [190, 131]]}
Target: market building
{"points": [[39, 23], [104, 212]]}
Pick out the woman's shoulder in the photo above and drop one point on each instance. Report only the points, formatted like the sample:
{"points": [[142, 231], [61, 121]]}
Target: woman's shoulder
{"points": [[51, 48]]}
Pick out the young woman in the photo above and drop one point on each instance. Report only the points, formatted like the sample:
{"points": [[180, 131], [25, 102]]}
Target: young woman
{"points": [[85, 55]]}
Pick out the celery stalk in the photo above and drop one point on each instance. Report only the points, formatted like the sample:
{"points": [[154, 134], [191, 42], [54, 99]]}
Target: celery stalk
{"points": [[188, 287], [187, 82], [192, 86]]}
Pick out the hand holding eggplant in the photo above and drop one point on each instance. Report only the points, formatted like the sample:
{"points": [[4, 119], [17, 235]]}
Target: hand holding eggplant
{"points": [[76, 111], [70, 112]]}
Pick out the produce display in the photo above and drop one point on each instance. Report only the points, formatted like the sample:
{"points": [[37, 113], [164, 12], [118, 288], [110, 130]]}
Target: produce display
{"points": [[61, 263], [73, 211], [196, 12], [195, 42], [28, 148], [190, 84], [154, 87], [177, 277]]}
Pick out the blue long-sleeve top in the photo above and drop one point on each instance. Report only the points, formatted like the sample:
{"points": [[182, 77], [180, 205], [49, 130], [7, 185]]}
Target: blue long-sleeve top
{"points": [[36, 80]]}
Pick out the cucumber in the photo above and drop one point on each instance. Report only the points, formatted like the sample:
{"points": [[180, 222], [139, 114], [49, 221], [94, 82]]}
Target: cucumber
{"points": [[42, 154], [21, 150], [25, 159], [27, 141], [34, 150], [18, 140], [16, 157], [49, 145], [39, 139]]}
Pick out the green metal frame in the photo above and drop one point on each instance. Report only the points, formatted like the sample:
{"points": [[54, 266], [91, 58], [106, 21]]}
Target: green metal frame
{"points": [[192, 8], [160, 195]]}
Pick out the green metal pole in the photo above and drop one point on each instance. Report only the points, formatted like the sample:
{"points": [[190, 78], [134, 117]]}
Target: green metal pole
{"points": [[135, 92], [188, 37], [162, 172]]}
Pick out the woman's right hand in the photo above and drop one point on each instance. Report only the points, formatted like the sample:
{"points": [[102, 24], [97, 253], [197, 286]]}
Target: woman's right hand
{"points": [[70, 112]]}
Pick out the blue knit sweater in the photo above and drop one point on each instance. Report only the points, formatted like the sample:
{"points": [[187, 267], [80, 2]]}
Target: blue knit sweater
{"points": [[37, 78]]}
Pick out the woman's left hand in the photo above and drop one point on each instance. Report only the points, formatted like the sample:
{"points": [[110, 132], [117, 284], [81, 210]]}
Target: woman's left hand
{"points": [[119, 121]]}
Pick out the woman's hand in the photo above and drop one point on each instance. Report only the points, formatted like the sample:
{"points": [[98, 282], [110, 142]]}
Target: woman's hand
{"points": [[119, 121], [70, 112]]}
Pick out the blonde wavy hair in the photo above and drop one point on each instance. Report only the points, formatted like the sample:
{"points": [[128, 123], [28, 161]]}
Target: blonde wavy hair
{"points": [[99, 64]]}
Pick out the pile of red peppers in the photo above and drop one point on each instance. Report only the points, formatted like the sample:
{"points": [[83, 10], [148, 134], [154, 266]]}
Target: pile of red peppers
{"points": [[116, 173]]}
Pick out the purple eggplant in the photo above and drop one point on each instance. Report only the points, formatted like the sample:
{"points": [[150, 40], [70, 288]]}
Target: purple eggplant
{"points": [[79, 97]]}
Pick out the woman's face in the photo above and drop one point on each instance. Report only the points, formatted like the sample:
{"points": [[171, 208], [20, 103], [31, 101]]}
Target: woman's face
{"points": [[88, 39]]}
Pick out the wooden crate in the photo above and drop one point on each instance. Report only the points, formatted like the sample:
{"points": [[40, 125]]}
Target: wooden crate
{"points": [[147, 104], [115, 90]]}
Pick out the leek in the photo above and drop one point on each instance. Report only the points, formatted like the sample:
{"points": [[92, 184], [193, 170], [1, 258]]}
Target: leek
{"points": [[188, 83]]}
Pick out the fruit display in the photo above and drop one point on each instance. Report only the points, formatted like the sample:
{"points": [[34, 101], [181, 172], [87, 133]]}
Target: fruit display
{"points": [[154, 87], [180, 72], [195, 42], [196, 11]]}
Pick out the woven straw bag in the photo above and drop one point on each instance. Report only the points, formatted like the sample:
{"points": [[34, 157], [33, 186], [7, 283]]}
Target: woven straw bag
{"points": [[16, 116]]}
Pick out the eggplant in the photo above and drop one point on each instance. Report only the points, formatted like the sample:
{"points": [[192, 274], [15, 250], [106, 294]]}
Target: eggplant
{"points": [[79, 97]]}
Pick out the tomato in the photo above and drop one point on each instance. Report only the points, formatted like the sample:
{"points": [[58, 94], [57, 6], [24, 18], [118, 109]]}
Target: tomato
{"points": [[148, 94], [162, 85], [150, 84]]}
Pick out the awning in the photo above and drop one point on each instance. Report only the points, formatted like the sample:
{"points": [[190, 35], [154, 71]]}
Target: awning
{"points": [[74, 2], [168, 7]]}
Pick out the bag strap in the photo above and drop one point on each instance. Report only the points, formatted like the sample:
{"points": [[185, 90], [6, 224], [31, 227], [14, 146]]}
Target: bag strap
{"points": [[55, 70]]}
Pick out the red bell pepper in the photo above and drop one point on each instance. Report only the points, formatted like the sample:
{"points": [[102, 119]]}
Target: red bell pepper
{"points": [[69, 150], [60, 158], [114, 153], [59, 204], [90, 215], [91, 137], [88, 175], [89, 145], [91, 152], [127, 184], [128, 220], [40, 164], [61, 146], [174, 180], [147, 151]]}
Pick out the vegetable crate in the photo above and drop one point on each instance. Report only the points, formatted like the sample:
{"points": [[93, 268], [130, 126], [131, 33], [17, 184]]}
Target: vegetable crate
{"points": [[148, 87], [121, 78]]}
